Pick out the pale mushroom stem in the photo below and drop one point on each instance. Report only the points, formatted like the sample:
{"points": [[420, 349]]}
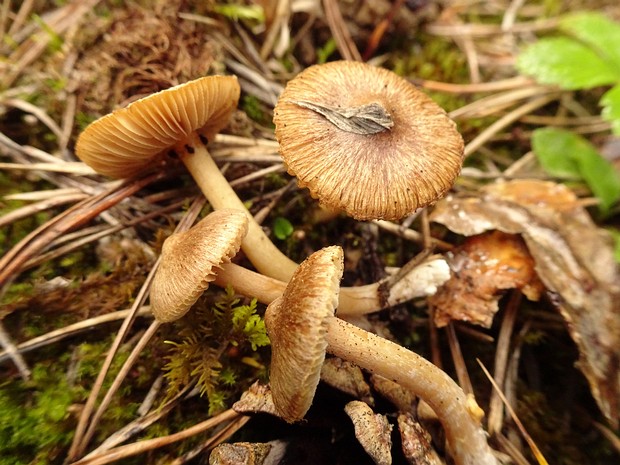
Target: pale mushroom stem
{"points": [[263, 254], [357, 300], [459, 415]]}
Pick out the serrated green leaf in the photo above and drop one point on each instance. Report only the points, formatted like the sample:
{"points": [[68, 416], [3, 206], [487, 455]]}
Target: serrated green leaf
{"points": [[563, 153], [598, 31], [611, 108], [565, 62], [553, 150], [282, 228]]}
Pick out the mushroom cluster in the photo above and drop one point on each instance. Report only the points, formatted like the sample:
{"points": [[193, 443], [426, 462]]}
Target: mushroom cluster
{"points": [[362, 140]]}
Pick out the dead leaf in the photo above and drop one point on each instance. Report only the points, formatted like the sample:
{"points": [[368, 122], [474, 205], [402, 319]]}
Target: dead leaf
{"points": [[372, 431], [482, 267], [416, 442], [346, 377], [574, 259], [256, 399]]}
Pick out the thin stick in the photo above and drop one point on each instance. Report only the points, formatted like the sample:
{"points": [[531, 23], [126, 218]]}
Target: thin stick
{"points": [[133, 356], [506, 120], [535, 450], [12, 352], [78, 446], [131, 450], [496, 412], [70, 330], [339, 31]]}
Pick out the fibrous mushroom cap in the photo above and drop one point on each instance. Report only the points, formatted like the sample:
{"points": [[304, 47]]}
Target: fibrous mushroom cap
{"points": [[127, 140], [296, 323], [189, 259], [386, 175]]}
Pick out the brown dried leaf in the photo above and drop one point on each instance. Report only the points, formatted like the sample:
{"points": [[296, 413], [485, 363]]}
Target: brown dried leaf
{"points": [[257, 399], [346, 377], [574, 260], [372, 431], [416, 442], [482, 267], [241, 453]]}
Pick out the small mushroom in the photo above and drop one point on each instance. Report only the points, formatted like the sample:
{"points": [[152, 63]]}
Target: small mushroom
{"points": [[302, 327], [421, 281], [193, 259], [364, 140], [180, 119], [189, 261]]}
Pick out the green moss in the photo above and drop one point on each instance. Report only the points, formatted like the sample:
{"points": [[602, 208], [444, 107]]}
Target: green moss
{"points": [[35, 417], [217, 349]]}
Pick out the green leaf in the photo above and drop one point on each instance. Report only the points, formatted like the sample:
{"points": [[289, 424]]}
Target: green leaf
{"points": [[611, 108], [282, 228], [553, 150], [562, 153], [567, 63], [597, 31]]}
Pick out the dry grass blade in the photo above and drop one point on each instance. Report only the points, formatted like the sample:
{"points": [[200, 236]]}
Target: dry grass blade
{"points": [[339, 30], [61, 167], [140, 424], [131, 450], [73, 329], [505, 121], [133, 356], [12, 352], [535, 450], [496, 413], [75, 216], [79, 444], [214, 440], [40, 206]]}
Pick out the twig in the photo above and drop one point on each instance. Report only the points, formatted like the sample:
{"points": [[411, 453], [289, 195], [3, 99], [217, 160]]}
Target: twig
{"points": [[535, 450], [80, 440], [496, 412], [506, 120], [118, 380], [79, 214], [12, 352], [344, 42], [131, 450], [71, 330]]}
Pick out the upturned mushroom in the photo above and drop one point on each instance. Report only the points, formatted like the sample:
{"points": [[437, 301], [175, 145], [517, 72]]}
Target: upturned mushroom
{"points": [[364, 140], [181, 119], [193, 259], [302, 328]]}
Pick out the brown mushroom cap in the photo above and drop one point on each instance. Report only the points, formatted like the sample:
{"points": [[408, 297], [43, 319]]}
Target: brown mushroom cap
{"points": [[127, 140], [188, 260], [296, 323], [410, 163]]}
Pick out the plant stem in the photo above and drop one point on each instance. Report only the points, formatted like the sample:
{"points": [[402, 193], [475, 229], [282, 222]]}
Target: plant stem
{"points": [[458, 414], [263, 254], [357, 300]]}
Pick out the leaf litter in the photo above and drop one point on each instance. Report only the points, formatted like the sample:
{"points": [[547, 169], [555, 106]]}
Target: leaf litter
{"points": [[573, 258]]}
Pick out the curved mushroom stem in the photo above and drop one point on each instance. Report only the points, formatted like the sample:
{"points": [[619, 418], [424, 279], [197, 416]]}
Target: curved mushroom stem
{"points": [[263, 254], [459, 415], [359, 300]]}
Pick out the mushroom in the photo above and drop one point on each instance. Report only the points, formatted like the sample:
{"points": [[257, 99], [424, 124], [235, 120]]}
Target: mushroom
{"points": [[421, 281], [302, 327], [191, 260], [364, 140], [180, 119]]}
